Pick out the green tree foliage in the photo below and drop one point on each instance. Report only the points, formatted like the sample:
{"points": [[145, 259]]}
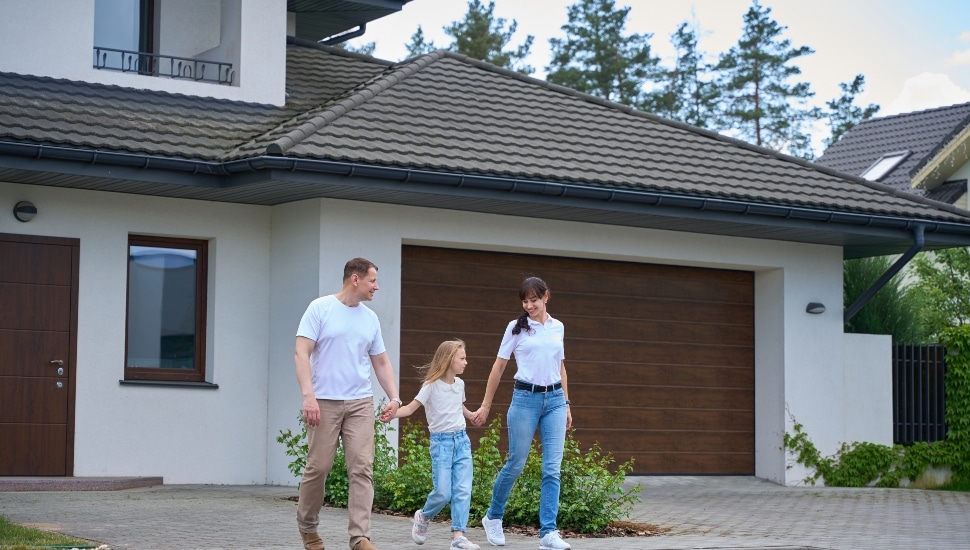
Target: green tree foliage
{"points": [[418, 45], [597, 58], [481, 35], [759, 102], [893, 310], [944, 284], [843, 113], [687, 92]]}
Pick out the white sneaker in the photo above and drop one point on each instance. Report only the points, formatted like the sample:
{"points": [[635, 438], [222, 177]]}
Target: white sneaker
{"points": [[419, 528], [493, 531], [552, 541], [461, 543]]}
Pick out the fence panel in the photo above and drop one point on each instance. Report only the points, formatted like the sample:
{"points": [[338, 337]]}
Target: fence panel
{"points": [[918, 393]]}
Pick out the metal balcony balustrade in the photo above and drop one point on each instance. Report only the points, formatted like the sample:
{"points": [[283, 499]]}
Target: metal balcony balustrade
{"points": [[170, 66]]}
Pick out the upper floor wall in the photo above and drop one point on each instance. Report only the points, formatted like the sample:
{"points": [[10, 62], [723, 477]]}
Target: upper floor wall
{"points": [[228, 49]]}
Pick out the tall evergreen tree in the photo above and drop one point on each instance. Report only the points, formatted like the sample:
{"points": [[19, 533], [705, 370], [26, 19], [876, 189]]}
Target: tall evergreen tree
{"points": [[687, 92], [480, 35], [597, 58], [759, 101], [843, 113], [418, 45]]}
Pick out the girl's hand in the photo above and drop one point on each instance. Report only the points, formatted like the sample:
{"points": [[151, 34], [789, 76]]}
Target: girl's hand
{"points": [[479, 417]]}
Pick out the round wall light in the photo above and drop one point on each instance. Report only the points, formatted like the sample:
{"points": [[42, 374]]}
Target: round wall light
{"points": [[24, 211], [815, 308]]}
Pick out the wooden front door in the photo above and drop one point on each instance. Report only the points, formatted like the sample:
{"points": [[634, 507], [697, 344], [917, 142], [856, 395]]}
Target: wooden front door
{"points": [[38, 327]]}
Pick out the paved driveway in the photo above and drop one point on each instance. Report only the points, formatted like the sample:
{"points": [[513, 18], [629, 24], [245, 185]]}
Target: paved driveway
{"points": [[700, 512]]}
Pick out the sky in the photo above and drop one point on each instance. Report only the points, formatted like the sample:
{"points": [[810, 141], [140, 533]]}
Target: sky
{"points": [[914, 54]]}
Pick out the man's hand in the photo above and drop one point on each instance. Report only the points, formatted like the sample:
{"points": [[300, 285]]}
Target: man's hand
{"points": [[311, 411]]}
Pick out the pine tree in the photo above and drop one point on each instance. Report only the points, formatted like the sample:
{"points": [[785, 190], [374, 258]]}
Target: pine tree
{"points": [[687, 93], [597, 58], [843, 114], [418, 46], [480, 35], [759, 102]]}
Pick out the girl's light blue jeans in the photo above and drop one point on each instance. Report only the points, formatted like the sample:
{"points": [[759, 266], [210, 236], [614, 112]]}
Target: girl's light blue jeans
{"points": [[527, 413], [451, 472]]}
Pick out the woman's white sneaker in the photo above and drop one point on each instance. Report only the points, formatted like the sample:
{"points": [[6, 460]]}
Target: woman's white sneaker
{"points": [[552, 541], [493, 531], [419, 528]]}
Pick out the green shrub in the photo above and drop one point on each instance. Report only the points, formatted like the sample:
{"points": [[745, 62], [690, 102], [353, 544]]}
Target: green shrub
{"points": [[591, 495]]}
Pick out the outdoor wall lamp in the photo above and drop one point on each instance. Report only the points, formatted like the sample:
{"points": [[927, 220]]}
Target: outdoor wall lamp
{"points": [[815, 308], [24, 211]]}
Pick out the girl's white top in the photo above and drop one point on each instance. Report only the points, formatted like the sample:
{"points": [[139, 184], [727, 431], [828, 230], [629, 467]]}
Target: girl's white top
{"points": [[442, 405], [538, 351]]}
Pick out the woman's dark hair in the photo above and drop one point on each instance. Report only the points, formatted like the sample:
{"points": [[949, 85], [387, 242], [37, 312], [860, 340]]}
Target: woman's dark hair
{"points": [[532, 286]]}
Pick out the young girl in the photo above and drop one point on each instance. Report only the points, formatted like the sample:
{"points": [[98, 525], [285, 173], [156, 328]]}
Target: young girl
{"points": [[443, 396]]}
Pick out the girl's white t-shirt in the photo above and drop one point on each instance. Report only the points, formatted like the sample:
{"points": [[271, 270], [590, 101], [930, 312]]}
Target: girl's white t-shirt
{"points": [[539, 351], [345, 339], [443, 405]]}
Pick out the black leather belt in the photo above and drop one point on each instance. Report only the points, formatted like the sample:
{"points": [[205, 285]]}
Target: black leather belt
{"points": [[536, 389]]}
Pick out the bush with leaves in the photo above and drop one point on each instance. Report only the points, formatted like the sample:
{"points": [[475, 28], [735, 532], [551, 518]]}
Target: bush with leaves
{"points": [[337, 488], [591, 494]]}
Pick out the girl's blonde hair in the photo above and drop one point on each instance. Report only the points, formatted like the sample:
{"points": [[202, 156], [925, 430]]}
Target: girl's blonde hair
{"points": [[441, 362]]}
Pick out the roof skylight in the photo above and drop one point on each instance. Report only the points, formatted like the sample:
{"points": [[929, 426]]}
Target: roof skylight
{"points": [[884, 165]]}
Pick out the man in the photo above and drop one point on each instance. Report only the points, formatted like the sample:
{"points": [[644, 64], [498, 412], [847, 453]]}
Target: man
{"points": [[338, 342]]}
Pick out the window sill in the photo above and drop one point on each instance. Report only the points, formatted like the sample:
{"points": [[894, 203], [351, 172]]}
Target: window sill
{"points": [[170, 384]]}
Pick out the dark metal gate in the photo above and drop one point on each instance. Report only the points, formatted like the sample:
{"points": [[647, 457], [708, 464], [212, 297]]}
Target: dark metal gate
{"points": [[918, 393]]}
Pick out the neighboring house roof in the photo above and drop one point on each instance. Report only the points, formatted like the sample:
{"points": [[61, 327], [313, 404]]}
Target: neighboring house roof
{"points": [[443, 130], [924, 136]]}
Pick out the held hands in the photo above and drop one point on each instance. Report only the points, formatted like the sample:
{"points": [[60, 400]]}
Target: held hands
{"points": [[389, 412], [479, 417]]}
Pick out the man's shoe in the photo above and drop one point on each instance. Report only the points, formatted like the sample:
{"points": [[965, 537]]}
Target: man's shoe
{"points": [[419, 528], [364, 544], [552, 541], [311, 541], [493, 531]]}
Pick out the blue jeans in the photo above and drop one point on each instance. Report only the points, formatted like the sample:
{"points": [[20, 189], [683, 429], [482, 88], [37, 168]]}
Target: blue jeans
{"points": [[451, 472], [528, 412]]}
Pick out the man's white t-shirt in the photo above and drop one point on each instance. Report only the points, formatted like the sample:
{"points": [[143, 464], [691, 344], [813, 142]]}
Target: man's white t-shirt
{"points": [[345, 337], [442, 405]]}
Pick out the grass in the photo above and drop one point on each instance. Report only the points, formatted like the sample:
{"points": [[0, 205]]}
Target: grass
{"points": [[956, 486], [18, 537]]}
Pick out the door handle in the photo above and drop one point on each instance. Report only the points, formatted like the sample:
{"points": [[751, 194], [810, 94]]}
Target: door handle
{"points": [[57, 362]]}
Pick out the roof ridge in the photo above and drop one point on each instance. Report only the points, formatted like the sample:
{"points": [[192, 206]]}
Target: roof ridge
{"points": [[368, 90]]}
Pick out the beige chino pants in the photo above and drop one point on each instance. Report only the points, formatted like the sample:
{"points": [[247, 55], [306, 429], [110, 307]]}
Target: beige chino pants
{"points": [[353, 421]]}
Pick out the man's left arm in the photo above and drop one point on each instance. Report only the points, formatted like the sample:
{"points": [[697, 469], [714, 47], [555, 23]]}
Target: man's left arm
{"points": [[385, 377]]}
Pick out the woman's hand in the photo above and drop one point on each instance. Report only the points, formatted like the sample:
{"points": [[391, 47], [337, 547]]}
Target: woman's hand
{"points": [[479, 417]]}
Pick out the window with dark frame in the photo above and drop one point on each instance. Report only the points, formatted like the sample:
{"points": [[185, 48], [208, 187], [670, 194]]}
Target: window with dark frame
{"points": [[166, 316]]}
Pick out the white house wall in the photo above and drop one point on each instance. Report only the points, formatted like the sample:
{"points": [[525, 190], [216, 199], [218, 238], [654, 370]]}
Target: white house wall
{"points": [[65, 47], [186, 435], [798, 356]]}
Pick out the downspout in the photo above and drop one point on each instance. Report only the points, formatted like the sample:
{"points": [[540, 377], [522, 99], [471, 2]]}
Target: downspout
{"points": [[893, 270]]}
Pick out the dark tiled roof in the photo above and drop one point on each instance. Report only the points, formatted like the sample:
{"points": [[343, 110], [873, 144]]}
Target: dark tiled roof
{"points": [[439, 112], [948, 192], [922, 133]]}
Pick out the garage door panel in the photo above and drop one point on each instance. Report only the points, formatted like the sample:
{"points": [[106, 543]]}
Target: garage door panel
{"points": [[659, 353], [28, 353], [669, 463], [663, 331], [640, 418], [35, 307], [582, 373], [660, 358]]}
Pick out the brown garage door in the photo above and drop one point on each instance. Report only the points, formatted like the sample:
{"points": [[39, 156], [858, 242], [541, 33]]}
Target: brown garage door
{"points": [[38, 323], [660, 358]]}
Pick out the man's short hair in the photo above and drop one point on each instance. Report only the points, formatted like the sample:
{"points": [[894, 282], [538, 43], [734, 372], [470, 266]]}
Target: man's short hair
{"points": [[360, 266]]}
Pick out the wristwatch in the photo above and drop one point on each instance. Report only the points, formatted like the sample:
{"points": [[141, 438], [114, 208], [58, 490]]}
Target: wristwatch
{"points": [[399, 402]]}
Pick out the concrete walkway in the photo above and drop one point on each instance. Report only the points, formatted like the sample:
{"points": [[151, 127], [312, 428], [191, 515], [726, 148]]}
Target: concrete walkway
{"points": [[700, 513]]}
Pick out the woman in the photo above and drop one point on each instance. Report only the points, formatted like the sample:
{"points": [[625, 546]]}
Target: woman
{"points": [[539, 402]]}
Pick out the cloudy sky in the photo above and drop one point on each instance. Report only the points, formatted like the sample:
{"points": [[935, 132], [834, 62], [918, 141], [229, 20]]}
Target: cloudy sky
{"points": [[915, 54]]}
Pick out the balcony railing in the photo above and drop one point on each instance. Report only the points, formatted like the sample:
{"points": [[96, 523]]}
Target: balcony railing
{"points": [[170, 66]]}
